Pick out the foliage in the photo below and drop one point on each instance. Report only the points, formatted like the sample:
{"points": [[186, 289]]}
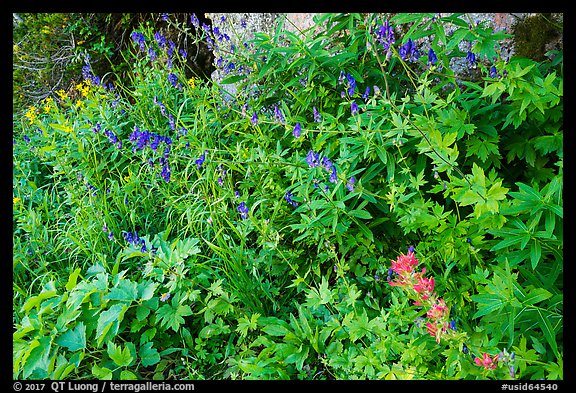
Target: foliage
{"points": [[168, 227]]}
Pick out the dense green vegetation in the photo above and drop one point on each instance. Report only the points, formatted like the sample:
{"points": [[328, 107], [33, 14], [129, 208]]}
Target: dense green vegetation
{"points": [[352, 208]]}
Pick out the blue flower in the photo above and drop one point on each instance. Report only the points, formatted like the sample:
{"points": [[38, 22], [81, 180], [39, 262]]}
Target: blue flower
{"points": [[165, 173], [432, 58], [471, 57], [194, 20], [350, 184], [111, 235], [494, 72], [333, 176], [409, 51], [351, 84], [138, 38], [313, 159], [327, 164], [165, 296], [254, 119], [173, 79], [385, 35], [354, 108], [26, 139], [453, 325], [200, 160], [243, 209], [160, 39], [411, 249], [278, 115], [297, 130], [288, 198], [317, 117], [366, 94]]}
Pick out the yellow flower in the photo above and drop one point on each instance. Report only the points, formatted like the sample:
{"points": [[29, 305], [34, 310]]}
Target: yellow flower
{"points": [[31, 113], [48, 104], [15, 48], [192, 82], [62, 94], [79, 104], [16, 200]]}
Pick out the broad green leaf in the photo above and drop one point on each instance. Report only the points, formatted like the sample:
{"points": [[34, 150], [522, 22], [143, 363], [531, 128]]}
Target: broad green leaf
{"points": [[34, 301], [38, 357], [171, 315], [73, 339], [148, 354], [101, 372], [273, 326], [536, 296], [126, 375], [125, 291], [73, 279], [360, 214], [120, 356], [146, 290], [108, 322]]}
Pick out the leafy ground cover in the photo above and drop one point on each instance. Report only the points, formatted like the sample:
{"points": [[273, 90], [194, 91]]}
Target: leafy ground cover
{"points": [[343, 205]]}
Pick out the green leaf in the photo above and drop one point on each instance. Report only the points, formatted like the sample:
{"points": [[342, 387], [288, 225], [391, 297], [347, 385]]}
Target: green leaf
{"points": [[171, 315], [148, 354], [488, 303], [36, 300], [121, 357], [360, 214], [73, 339], [126, 375], [146, 290], [232, 79], [101, 372], [536, 295], [535, 253], [245, 324], [108, 322], [125, 291], [38, 356], [274, 326], [548, 330], [72, 279]]}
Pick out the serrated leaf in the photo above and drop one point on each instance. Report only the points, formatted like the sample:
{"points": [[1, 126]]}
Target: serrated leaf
{"points": [[38, 356], [125, 291], [101, 372], [73, 339], [146, 290], [109, 321], [120, 356], [36, 300], [148, 354], [172, 315]]}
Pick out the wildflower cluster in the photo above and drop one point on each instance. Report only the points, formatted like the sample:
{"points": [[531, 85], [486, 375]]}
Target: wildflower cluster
{"points": [[135, 240], [421, 289], [143, 139]]}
